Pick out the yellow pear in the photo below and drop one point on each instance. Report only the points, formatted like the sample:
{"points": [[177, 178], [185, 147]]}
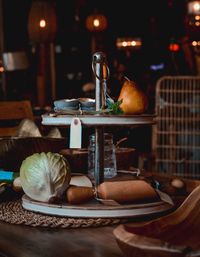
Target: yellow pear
{"points": [[134, 101]]}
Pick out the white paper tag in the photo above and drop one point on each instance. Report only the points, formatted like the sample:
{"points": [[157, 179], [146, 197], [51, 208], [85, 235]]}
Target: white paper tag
{"points": [[75, 133]]}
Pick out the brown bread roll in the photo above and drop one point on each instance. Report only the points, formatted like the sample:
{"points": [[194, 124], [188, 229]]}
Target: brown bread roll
{"points": [[79, 194], [127, 191]]}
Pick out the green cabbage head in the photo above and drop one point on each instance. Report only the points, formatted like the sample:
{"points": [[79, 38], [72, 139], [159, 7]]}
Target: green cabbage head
{"points": [[45, 176]]}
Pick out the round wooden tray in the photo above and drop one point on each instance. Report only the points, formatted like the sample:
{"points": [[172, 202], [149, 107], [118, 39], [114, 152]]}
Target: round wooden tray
{"points": [[95, 209], [98, 120]]}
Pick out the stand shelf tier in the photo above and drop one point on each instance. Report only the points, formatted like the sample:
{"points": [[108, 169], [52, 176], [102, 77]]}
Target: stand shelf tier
{"points": [[99, 120], [94, 209]]}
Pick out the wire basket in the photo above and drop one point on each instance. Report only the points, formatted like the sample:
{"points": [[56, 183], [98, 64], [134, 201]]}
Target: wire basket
{"points": [[176, 137]]}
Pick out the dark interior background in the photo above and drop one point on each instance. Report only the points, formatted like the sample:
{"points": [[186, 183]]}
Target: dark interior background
{"points": [[156, 22]]}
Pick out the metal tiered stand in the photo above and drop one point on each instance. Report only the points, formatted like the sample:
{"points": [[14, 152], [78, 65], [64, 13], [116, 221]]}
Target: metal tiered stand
{"points": [[99, 121]]}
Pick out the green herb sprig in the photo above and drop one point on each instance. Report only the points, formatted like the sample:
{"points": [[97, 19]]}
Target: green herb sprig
{"points": [[114, 107]]}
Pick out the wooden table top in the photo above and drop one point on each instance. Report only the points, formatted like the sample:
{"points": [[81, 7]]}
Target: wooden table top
{"points": [[25, 241], [28, 241]]}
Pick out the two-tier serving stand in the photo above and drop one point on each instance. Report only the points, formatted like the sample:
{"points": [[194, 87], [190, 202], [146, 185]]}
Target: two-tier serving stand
{"points": [[99, 121]]}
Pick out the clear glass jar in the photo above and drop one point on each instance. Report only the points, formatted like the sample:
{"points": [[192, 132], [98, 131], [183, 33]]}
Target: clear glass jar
{"points": [[110, 166]]}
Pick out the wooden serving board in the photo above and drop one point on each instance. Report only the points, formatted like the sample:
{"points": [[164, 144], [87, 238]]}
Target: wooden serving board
{"points": [[172, 235], [95, 209]]}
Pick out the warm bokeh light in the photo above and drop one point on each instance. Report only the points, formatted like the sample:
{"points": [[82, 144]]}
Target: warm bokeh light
{"points": [[129, 43], [1, 66], [96, 22], [42, 23], [195, 43], [174, 47], [124, 44], [133, 43], [194, 7]]}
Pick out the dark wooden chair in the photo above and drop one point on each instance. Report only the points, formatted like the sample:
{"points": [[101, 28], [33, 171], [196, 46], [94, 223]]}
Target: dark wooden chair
{"points": [[11, 114]]}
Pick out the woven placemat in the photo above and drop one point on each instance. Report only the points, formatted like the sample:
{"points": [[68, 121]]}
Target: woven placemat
{"points": [[13, 212]]}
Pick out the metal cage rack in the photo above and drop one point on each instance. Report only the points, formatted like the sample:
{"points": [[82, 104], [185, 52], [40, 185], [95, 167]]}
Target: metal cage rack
{"points": [[176, 136]]}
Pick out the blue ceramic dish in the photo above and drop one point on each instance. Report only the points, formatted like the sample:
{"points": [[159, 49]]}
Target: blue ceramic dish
{"points": [[87, 104], [67, 104]]}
